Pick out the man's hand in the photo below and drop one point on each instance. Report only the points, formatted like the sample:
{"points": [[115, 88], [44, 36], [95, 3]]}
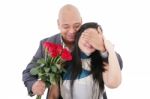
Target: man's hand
{"points": [[38, 87]]}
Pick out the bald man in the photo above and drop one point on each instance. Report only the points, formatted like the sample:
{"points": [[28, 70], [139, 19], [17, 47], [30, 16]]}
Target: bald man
{"points": [[69, 21]]}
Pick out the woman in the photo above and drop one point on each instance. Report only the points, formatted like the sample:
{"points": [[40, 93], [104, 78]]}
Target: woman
{"points": [[94, 64]]}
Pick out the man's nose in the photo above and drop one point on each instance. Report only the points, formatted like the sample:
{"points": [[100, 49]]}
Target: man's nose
{"points": [[72, 30]]}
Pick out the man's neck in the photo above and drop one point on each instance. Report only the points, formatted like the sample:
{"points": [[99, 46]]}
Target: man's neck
{"points": [[67, 44]]}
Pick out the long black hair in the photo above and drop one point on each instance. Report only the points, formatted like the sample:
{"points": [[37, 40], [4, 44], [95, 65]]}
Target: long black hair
{"points": [[97, 66]]}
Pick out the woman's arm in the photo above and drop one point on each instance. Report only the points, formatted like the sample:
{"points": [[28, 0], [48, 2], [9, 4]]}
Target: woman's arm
{"points": [[112, 75]]}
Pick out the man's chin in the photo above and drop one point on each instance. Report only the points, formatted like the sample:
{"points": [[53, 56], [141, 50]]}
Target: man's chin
{"points": [[71, 40]]}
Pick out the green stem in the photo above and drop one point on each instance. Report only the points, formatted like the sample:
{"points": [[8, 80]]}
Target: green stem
{"points": [[38, 97], [46, 54], [58, 59]]}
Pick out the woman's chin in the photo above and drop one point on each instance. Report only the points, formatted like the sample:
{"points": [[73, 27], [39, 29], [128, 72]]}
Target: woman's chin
{"points": [[88, 51], [87, 54]]}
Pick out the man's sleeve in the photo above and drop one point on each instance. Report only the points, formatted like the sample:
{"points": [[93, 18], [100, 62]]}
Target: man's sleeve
{"points": [[120, 61], [27, 78], [105, 59]]}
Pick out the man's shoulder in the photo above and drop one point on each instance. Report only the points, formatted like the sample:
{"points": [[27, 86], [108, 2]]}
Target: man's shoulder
{"points": [[54, 38]]}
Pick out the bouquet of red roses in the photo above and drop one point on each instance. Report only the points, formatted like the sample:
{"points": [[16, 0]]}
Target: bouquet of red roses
{"points": [[50, 67]]}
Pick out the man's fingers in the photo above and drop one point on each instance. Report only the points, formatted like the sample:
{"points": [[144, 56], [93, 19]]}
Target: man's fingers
{"points": [[38, 87]]}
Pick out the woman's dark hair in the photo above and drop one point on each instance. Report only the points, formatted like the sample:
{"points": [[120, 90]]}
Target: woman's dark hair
{"points": [[97, 66]]}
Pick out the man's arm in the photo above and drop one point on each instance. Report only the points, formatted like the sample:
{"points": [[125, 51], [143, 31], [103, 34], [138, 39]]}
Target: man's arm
{"points": [[31, 82], [119, 60], [29, 79]]}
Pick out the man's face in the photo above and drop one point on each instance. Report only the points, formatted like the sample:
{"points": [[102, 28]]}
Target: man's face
{"points": [[69, 24]]}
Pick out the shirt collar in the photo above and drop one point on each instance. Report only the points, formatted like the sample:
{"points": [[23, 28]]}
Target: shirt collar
{"points": [[84, 56], [63, 44]]}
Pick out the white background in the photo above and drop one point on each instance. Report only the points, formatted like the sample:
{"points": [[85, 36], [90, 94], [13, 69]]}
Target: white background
{"points": [[23, 23]]}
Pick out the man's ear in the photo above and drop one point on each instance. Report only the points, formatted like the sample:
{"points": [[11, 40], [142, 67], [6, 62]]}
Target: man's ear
{"points": [[58, 24]]}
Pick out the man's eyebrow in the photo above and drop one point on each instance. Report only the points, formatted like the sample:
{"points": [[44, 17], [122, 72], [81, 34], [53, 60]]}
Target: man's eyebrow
{"points": [[77, 23], [64, 24]]}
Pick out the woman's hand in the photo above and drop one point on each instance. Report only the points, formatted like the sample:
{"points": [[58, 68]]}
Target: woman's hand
{"points": [[94, 38]]}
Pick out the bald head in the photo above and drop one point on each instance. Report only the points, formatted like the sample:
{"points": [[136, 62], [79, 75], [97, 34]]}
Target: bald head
{"points": [[69, 11]]}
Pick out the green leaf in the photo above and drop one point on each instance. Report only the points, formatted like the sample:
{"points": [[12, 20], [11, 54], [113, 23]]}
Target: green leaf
{"points": [[46, 69], [54, 68], [52, 77], [58, 66], [38, 97], [42, 77], [34, 71], [42, 65], [41, 61]]}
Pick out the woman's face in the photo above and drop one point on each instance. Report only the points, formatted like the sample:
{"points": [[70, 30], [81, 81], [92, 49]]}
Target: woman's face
{"points": [[85, 46]]}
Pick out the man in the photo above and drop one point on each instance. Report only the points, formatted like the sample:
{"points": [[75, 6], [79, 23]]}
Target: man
{"points": [[69, 21]]}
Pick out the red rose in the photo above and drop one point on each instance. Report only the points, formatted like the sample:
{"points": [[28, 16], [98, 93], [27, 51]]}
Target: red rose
{"points": [[47, 44], [59, 48], [66, 55], [51, 48], [54, 54]]}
